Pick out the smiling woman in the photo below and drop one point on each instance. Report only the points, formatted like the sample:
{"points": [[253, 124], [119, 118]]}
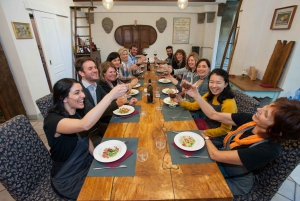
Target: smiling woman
{"points": [[72, 149], [256, 141]]}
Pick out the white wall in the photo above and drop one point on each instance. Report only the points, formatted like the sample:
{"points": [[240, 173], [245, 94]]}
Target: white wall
{"points": [[200, 34], [23, 55], [256, 41]]}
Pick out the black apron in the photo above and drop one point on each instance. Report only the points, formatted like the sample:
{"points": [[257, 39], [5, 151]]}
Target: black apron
{"points": [[67, 182]]}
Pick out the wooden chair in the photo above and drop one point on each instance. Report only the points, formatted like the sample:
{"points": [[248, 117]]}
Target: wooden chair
{"points": [[25, 162], [245, 103], [44, 104], [270, 178]]}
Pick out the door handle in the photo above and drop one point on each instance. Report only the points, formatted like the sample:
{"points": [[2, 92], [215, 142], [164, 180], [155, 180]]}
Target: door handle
{"points": [[50, 62]]}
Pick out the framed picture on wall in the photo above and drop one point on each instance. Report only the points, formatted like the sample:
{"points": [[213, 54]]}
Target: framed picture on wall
{"points": [[181, 30], [283, 17], [22, 30]]}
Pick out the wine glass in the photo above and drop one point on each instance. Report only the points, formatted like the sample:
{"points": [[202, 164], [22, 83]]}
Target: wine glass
{"points": [[187, 81], [172, 94], [125, 75], [145, 54], [155, 53]]}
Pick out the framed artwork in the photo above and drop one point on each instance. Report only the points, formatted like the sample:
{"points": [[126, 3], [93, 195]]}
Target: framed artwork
{"points": [[22, 30], [283, 17], [181, 30]]}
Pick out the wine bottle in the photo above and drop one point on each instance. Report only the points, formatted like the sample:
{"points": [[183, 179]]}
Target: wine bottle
{"points": [[148, 65], [149, 92]]}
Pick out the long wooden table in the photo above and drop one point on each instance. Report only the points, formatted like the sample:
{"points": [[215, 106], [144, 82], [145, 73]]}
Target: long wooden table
{"points": [[157, 178]]}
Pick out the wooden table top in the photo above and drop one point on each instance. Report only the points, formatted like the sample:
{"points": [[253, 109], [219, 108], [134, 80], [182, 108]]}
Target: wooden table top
{"points": [[246, 84], [157, 178]]}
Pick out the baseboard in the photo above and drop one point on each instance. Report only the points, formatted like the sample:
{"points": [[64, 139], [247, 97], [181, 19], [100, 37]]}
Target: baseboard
{"points": [[34, 117]]}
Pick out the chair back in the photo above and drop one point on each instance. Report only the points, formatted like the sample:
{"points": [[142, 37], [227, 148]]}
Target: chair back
{"points": [[25, 161], [245, 103], [44, 104], [270, 178]]}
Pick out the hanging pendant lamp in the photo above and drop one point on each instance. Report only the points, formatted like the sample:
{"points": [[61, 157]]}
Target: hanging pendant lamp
{"points": [[182, 4], [108, 4]]}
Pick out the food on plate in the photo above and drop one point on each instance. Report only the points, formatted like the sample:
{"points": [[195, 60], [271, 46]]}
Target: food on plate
{"points": [[131, 93], [110, 152], [187, 141], [123, 110], [170, 91], [172, 102]]}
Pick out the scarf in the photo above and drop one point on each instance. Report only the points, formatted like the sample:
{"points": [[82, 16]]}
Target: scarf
{"points": [[239, 132]]}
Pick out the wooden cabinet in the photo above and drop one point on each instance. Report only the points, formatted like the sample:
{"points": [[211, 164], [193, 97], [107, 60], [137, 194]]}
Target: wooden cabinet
{"points": [[10, 100], [141, 35]]}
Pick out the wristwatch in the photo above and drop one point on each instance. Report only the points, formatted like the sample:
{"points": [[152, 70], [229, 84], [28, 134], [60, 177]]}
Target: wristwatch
{"points": [[206, 138]]}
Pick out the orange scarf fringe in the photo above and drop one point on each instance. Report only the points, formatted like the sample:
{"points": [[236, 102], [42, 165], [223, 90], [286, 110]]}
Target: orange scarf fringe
{"points": [[245, 141]]}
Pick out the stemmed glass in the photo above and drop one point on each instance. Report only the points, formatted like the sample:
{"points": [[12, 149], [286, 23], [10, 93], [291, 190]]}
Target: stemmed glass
{"points": [[187, 81], [145, 54], [172, 94], [125, 75]]}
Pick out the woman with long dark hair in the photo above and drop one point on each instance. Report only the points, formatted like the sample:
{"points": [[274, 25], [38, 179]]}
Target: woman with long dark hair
{"points": [[65, 126], [221, 98]]}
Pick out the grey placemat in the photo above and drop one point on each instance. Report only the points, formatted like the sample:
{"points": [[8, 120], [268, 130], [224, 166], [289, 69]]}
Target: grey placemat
{"points": [[130, 162], [134, 118], [180, 113], [138, 96], [141, 82], [175, 152]]}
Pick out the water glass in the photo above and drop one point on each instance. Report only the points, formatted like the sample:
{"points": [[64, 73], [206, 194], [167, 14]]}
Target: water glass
{"points": [[142, 154], [160, 142], [143, 112], [158, 105]]}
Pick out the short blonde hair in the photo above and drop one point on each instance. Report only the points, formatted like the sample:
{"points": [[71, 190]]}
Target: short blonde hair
{"points": [[196, 57], [104, 67], [121, 50]]}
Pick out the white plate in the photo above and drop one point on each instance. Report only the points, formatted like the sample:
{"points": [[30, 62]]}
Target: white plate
{"points": [[165, 91], [142, 66], [164, 80], [137, 85], [167, 101], [199, 141], [133, 92], [98, 151], [131, 110]]}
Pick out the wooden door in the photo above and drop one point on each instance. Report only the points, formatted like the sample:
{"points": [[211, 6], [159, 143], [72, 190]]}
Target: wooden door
{"points": [[10, 100]]}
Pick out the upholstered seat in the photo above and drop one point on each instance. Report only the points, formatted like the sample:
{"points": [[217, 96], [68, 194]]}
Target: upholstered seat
{"points": [[25, 162], [245, 103], [271, 177], [44, 104]]}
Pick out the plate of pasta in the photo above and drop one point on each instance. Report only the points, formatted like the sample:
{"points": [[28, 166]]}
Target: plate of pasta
{"points": [[167, 91], [189, 141], [109, 151], [168, 101], [124, 110]]}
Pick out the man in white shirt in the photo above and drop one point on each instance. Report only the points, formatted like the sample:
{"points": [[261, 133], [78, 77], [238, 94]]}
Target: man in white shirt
{"points": [[89, 75]]}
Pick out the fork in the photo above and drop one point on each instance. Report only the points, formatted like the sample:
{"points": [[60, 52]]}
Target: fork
{"points": [[185, 156], [100, 168], [179, 117]]}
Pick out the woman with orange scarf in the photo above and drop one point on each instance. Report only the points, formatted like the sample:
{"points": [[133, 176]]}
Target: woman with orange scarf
{"points": [[255, 143]]}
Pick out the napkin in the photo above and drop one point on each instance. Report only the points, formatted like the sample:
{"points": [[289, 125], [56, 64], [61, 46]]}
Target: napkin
{"points": [[266, 85], [201, 124], [188, 153], [132, 114], [118, 162]]}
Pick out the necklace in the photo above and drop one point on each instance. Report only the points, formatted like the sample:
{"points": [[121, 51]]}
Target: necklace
{"points": [[203, 77]]}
